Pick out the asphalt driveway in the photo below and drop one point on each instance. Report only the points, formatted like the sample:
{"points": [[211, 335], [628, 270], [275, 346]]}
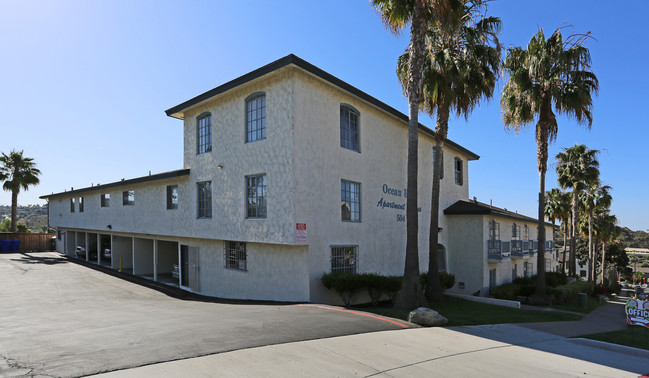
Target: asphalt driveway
{"points": [[60, 318]]}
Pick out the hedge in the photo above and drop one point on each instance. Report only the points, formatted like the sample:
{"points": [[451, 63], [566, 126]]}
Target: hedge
{"points": [[347, 285]]}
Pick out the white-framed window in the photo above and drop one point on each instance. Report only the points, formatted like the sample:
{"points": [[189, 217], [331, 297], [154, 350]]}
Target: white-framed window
{"points": [[128, 197], [256, 196], [204, 199], [494, 230], [105, 200], [516, 232], [459, 171], [350, 199], [81, 204], [203, 133], [344, 258], [350, 128], [235, 256], [172, 197], [526, 233], [441, 156], [255, 117], [72, 205]]}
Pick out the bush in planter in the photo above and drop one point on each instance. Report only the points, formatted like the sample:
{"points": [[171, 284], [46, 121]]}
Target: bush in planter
{"points": [[344, 283], [447, 280], [526, 286], [378, 285], [554, 279], [507, 291]]}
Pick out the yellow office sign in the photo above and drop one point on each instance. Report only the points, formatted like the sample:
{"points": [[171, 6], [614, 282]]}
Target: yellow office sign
{"points": [[637, 312]]}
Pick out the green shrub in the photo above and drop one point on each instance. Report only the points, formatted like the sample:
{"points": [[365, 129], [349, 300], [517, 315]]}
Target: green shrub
{"points": [[378, 285], [526, 286], [447, 280], [345, 284], [554, 279], [565, 293], [585, 287], [506, 291]]}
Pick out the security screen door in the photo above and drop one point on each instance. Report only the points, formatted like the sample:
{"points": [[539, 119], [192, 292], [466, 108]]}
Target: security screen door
{"points": [[193, 268]]}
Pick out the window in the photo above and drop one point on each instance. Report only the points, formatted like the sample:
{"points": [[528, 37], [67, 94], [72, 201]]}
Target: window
{"points": [[349, 130], [172, 197], [234, 255], [81, 204], [582, 273], [516, 232], [128, 197], [59, 235], [526, 233], [105, 200], [256, 117], [72, 205], [514, 271], [344, 258], [204, 199], [350, 199], [204, 133], [459, 177], [441, 156], [441, 258], [494, 230], [492, 279], [256, 196]]}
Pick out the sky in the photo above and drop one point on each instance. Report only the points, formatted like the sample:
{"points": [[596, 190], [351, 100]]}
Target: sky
{"points": [[84, 85]]}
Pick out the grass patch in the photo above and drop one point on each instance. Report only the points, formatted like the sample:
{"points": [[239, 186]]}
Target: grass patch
{"points": [[633, 336], [460, 312], [591, 304]]}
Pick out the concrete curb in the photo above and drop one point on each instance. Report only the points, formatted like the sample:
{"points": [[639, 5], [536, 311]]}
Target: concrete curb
{"points": [[492, 301], [611, 347]]}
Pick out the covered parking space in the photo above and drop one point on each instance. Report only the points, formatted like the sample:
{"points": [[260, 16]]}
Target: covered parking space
{"points": [[70, 242], [122, 253], [143, 250], [166, 259]]}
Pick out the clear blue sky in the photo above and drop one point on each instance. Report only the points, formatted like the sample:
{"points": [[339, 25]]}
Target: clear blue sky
{"points": [[84, 85]]}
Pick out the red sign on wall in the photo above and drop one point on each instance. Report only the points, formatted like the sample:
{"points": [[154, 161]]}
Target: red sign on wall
{"points": [[300, 232]]}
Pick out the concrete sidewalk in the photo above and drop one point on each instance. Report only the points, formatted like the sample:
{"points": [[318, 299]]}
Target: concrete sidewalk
{"points": [[530, 350], [606, 318], [422, 352]]}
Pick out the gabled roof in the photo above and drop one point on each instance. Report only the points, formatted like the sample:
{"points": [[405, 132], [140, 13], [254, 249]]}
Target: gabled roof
{"points": [[178, 110], [159, 176], [464, 207]]}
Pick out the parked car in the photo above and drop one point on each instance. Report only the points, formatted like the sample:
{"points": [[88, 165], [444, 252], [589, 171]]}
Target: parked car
{"points": [[81, 253], [105, 248]]}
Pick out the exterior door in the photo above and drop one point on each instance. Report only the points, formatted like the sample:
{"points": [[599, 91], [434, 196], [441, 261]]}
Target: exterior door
{"points": [[184, 265], [193, 269]]}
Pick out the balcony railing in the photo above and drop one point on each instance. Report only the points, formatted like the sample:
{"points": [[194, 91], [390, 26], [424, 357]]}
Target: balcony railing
{"points": [[494, 249], [517, 248]]}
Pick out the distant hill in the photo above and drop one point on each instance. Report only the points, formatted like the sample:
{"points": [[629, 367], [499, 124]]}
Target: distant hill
{"points": [[634, 239], [33, 216]]}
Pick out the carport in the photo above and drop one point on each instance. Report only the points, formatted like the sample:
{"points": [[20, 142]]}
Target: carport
{"points": [[70, 242], [92, 246], [143, 257], [80, 241], [122, 251], [166, 258]]}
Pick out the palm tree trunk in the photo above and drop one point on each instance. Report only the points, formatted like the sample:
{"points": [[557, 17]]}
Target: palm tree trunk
{"points": [[540, 293], [591, 257], [603, 256], [411, 294], [434, 290], [573, 237], [565, 245], [14, 210]]}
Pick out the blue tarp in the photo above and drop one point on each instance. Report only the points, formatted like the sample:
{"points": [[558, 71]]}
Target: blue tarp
{"points": [[5, 245]]}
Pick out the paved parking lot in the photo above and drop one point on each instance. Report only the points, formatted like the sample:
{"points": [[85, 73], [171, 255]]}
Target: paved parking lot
{"points": [[59, 318]]}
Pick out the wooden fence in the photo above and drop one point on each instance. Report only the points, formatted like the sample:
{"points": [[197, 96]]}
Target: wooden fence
{"points": [[30, 242]]}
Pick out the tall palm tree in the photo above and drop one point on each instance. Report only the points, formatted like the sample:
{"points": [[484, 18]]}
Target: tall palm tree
{"points": [[594, 197], [577, 167], [461, 69], [550, 76], [17, 172], [396, 15]]}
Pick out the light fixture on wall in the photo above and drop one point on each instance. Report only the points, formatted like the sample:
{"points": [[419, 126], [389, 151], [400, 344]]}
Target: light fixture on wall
{"points": [[220, 166], [110, 226]]}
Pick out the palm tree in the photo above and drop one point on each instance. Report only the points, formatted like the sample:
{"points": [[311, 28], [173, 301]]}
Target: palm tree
{"points": [[17, 172], [396, 14], [594, 197], [607, 230], [576, 168], [550, 76], [461, 69], [557, 206]]}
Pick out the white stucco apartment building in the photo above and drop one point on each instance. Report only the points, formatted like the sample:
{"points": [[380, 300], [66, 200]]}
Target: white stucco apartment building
{"points": [[289, 173]]}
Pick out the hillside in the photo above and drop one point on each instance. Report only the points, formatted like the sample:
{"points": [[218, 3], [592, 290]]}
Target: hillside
{"points": [[33, 216], [634, 239]]}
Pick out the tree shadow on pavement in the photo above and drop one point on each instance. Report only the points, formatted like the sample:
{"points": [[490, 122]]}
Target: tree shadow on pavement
{"points": [[33, 259]]}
